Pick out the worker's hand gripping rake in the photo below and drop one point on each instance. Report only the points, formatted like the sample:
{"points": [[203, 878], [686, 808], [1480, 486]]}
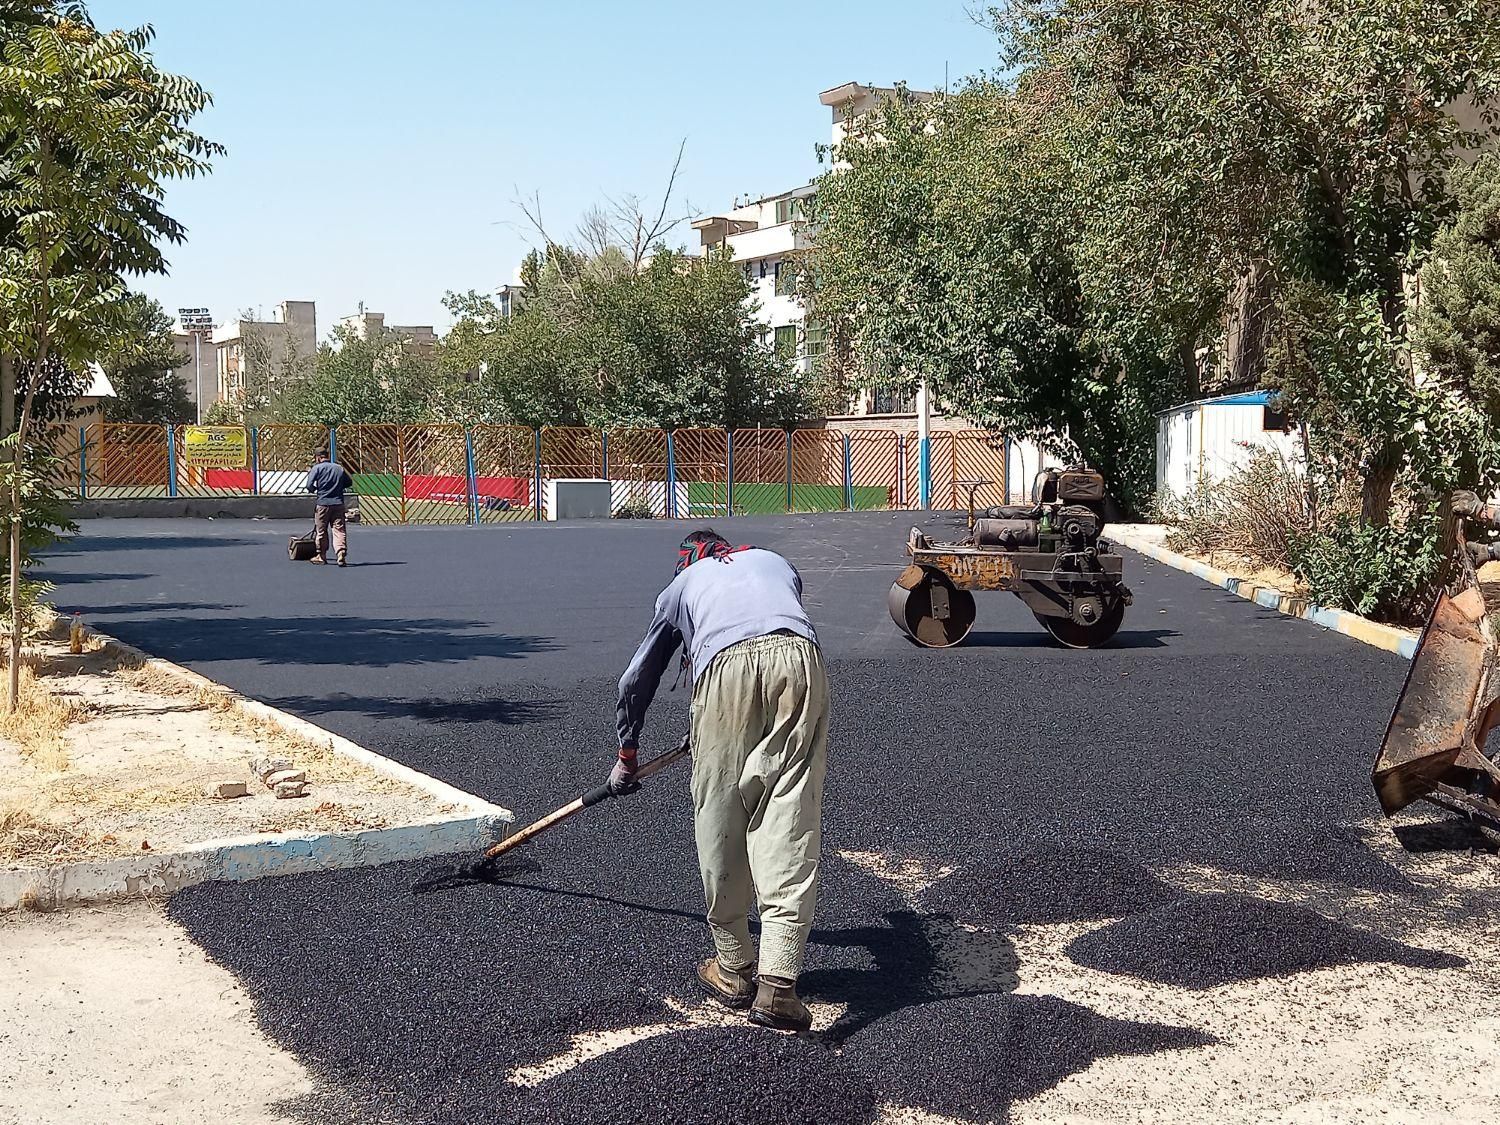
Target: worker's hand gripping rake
{"points": [[1434, 746]]}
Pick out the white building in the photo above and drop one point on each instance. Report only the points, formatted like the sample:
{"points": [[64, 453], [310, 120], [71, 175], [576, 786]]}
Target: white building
{"points": [[283, 345]]}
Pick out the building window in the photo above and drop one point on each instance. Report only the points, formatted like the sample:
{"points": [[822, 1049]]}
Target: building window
{"points": [[891, 402], [786, 279], [814, 339], [786, 341], [1273, 419]]}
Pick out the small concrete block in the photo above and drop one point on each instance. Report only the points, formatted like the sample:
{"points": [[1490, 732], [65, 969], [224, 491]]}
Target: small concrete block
{"points": [[226, 790], [291, 789], [275, 779], [264, 767]]}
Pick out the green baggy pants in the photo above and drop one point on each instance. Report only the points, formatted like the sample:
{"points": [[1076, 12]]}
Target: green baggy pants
{"points": [[760, 751]]}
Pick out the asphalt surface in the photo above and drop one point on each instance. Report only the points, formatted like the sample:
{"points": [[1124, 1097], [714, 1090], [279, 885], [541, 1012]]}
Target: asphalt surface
{"points": [[1212, 732]]}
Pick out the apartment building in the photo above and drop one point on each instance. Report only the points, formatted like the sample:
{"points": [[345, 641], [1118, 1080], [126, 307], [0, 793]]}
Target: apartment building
{"points": [[282, 347], [415, 339], [766, 237]]}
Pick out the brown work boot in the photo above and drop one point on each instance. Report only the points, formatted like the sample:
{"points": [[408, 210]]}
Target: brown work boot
{"points": [[734, 988], [343, 559], [319, 559], [777, 1006]]}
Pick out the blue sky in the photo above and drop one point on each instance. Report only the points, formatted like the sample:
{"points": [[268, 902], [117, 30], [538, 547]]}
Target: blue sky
{"points": [[375, 157]]}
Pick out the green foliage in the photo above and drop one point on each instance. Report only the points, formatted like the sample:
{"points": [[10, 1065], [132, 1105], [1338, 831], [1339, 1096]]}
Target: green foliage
{"points": [[1457, 334], [1260, 510], [1384, 572], [44, 518], [599, 341], [361, 379], [142, 362], [946, 253]]}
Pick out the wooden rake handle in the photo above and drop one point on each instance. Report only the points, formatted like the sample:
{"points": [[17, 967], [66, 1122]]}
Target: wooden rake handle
{"points": [[578, 804]]}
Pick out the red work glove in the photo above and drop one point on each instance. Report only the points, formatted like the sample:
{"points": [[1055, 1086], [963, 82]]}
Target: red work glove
{"points": [[622, 777]]}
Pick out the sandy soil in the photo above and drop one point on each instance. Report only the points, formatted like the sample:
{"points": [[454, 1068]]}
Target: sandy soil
{"points": [[115, 1016], [140, 755]]}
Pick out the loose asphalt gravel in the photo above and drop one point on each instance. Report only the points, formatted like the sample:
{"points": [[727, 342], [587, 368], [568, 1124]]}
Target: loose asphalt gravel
{"points": [[1058, 785]]}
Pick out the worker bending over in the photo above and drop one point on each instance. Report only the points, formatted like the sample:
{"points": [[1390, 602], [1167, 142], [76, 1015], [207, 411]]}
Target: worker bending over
{"points": [[760, 742]]}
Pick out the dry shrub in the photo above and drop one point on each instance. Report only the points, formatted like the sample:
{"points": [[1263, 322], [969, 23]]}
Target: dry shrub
{"points": [[1259, 510], [24, 835], [37, 725]]}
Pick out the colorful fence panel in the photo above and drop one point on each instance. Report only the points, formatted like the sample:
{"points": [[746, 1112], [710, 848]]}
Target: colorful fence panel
{"points": [[446, 473], [875, 469], [503, 467]]}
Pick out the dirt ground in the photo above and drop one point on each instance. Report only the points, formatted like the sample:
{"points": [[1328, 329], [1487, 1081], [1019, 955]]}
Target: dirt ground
{"points": [[81, 989], [117, 758]]}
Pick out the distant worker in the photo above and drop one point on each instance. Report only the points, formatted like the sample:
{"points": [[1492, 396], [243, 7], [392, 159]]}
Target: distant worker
{"points": [[760, 748], [328, 479]]}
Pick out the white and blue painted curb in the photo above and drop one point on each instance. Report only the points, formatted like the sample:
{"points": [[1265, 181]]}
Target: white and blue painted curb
{"points": [[1143, 540], [473, 826]]}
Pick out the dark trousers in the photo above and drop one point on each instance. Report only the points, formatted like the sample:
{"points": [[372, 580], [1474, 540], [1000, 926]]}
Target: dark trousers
{"points": [[330, 517]]}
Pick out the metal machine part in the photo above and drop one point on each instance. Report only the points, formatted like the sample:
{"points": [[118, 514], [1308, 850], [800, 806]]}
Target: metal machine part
{"points": [[1435, 744]]}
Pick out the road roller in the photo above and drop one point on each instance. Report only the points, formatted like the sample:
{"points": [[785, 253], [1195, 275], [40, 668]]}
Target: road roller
{"points": [[1048, 553]]}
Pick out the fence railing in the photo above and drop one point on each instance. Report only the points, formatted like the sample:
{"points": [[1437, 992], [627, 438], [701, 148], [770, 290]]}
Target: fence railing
{"points": [[484, 474]]}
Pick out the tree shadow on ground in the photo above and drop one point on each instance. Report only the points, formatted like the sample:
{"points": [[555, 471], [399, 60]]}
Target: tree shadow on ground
{"points": [[505, 712], [86, 544], [63, 579], [346, 640]]}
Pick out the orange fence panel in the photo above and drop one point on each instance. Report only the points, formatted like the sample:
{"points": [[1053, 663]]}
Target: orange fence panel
{"points": [[943, 467], [817, 471], [638, 470], [701, 460], [126, 459], [284, 453], [434, 471], [571, 452], [504, 472], [759, 471], [875, 468], [980, 455]]}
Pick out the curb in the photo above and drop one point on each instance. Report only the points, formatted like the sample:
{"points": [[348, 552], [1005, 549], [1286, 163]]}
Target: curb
{"points": [[240, 858], [1385, 637]]}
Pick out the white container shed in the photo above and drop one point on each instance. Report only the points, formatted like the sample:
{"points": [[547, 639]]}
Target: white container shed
{"points": [[1210, 438]]}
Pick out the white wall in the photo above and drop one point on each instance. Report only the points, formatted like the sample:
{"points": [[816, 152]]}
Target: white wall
{"points": [[1210, 440]]}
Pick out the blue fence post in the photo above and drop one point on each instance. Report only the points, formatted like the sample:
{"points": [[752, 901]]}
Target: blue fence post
{"points": [[473, 478], [171, 460], [536, 436], [670, 506], [848, 475], [333, 443], [788, 436], [255, 460], [83, 463], [728, 473]]}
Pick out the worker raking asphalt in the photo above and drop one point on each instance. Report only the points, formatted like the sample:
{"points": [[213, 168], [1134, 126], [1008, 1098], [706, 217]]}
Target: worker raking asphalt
{"points": [[974, 796]]}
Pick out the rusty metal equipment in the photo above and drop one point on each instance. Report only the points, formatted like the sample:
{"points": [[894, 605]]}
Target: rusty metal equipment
{"points": [[1048, 553], [1434, 746]]}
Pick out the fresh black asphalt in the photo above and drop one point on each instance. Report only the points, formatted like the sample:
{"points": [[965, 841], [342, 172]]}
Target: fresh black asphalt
{"points": [[1057, 783]]}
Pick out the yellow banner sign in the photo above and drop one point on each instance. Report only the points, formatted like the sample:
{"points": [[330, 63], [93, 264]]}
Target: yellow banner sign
{"points": [[214, 447]]}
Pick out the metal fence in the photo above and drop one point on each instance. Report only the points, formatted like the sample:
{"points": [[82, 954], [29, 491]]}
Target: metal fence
{"points": [[486, 474]]}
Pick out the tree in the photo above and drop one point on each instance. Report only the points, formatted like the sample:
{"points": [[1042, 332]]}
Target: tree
{"points": [[945, 253], [143, 364], [89, 131], [359, 378]]}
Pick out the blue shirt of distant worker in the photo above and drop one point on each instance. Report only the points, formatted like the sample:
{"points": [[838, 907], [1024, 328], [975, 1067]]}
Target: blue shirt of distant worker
{"points": [[328, 480]]}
